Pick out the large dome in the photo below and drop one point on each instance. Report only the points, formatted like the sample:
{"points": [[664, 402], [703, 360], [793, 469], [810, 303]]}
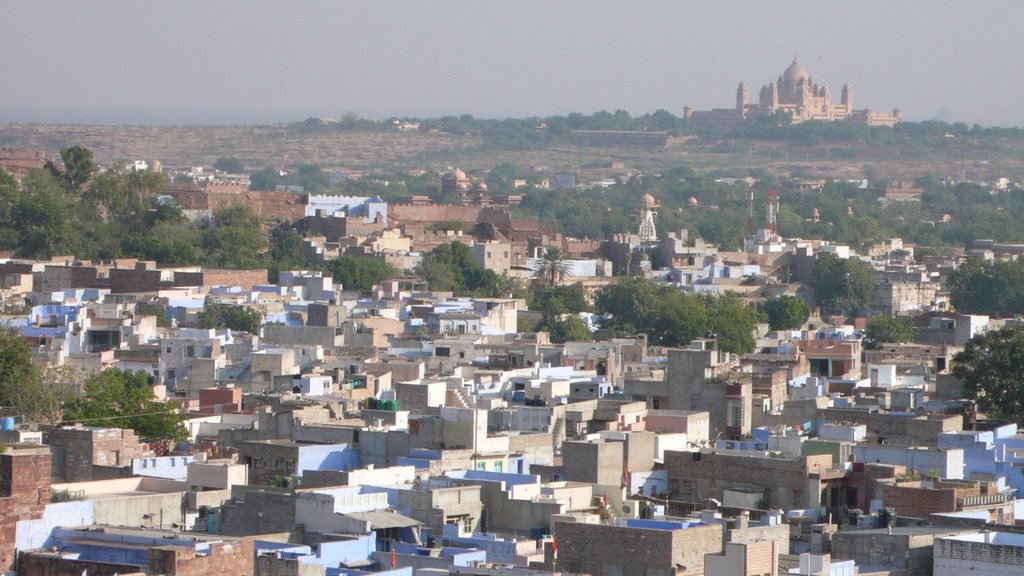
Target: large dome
{"points": [[794, 74]]}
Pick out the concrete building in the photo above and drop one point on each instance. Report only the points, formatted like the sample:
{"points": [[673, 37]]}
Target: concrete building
{"points": [[908, 549], [110, 550], [946, 463], [807, 482], [24, 493], [635, 547], [278, 460], [983, 553], [168, 467], [746, 559], [685, 385], [935, 500], [695, 424], [82, 453]]}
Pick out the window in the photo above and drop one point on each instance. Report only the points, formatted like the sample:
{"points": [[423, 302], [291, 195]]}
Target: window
{"points": [[190, 351], [736, 416], [143, 463], [444, 352]]}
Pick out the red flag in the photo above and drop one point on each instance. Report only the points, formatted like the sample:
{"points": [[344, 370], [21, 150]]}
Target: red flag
{"points": [[394, 557], [625, 476], [605, 499], [554, 547]]}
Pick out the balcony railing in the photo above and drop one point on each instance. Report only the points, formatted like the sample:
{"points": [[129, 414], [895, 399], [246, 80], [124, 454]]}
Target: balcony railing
{"points": [[982, 500]]}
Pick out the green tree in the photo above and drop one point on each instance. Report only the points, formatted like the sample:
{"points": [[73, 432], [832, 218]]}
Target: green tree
{"points": [[995, 288], [628, 305], [124, 197], [125, 400], [677, 318], [10, 197], [17, 370], [238, 318], [786, 312], [885, 329], [229, 165], [843, 284], [285, 251], [558, 300], [173, 243], [553, 267], [153, 308], [672, 318], [59, 384], [569, 328], [78, 168], [358, 272], [733, 321], [47, 220], [501, 178], [234, 240], [450, 267], [989, 366], [266, 179], [31, 390]]}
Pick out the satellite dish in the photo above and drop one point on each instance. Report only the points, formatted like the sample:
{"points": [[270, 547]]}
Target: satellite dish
{"points": [[626, 509]]}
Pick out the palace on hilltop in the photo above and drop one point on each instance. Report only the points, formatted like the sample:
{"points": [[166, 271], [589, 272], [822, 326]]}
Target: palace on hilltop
{"points": [[795, 94]]}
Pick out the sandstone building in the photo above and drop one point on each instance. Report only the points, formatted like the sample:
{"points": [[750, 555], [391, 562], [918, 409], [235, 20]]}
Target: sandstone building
{"points": [[796, 95]]}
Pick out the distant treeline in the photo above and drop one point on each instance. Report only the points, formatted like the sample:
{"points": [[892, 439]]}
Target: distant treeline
{"points": [[513, 133]]}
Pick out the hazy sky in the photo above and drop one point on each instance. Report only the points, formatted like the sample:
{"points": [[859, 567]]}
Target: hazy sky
{"points": [[236, 61]]}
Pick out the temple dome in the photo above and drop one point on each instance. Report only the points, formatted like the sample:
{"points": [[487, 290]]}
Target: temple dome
{"points": [[795, 73]]}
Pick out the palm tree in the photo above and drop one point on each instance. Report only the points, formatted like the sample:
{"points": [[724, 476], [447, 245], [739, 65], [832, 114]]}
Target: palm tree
{"points": [[553, 267]]}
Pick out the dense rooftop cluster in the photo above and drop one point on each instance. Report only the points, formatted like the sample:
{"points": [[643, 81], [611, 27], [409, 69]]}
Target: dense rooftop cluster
{"points": [[459, 388]]}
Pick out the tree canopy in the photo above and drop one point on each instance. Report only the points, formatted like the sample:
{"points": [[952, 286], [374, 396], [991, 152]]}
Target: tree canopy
{"points": [[231, 165], [670, 317], [358, 272], [554, 267], [239, 318], [993, 288], [843, 284], [558, 300], [124, 399], [569, 328], [884, 329], [989, 366], [77, 168], [451, 268], [786, 312]]}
